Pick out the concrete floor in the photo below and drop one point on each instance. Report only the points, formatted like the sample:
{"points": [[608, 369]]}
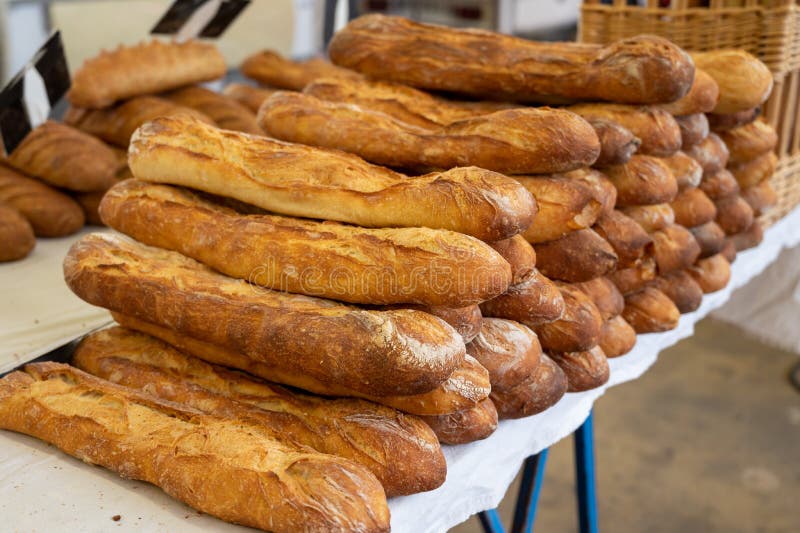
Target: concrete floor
{"points": [[708, 440]]}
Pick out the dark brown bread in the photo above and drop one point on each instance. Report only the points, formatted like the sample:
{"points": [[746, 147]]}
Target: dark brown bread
{"points": [[657, 130], [585, 370], [675, 248], [617, 337], [710, 237], [749, 238], [578, 256], [468, 425], [578, 328], [650, 311], [729, 250], [734, 215], [641, 69], [681, 288], [694, 128], [701, 98], [16, 235], [273, 70], [540, 391], [719, 185], [508, 350], [712, 273], [605, 295], [465, 320], [729, 121], [90, 204], [711, 153], [754, 171], [693, 208], [651, 217], [747, 142], [760, 197], [247, 95], [226, 112], [634, 279], [519, 254], [627, 238], [604, 190], [532, 301], [744, 81], [644, 180], [686, 170], [617, 143]]}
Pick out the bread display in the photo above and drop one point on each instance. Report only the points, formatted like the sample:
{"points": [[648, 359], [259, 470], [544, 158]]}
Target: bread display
{"points": [[760, 197], [686, 170], [755, 171], [16, 235], [701, 98], [617, 144], [712, 273], [465, 320], [605, 295], [532, 301], [633, 279], [578, 329], [710, 237], [585, 370], [519, 254], [711, 153], [693, 208], [681, 288], [725, 122], [540, 391], [748, 142], [734, 215], [226, 112], [728, 251], [468, 425], [578, 256], [602, 187], [650, 311], [643, 180], [627, 238], [247, 95], [694, 128], [674, 248], [744, 81], [273, 70], [651, 218], [335, 186], [90, 204], [509, 351], [749, 238], [617, 337]]}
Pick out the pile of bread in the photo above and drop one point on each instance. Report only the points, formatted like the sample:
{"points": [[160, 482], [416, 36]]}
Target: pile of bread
{"points": [[412, 265]]}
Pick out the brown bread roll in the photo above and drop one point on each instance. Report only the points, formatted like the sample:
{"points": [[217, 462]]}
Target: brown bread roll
{"points": [[760, 197], [651, 217], [519, 254], [145, 68], [605, 295], [603, 189], [727, 122], [694, 128], [402, 351], [750, 238], [657, 130], [627, 238], [617, 337], [540, 391], [750, 141], [720, 184], [650, 311], [311, 182], [681, 288], [644, 180], [16, 235], [90, 204], [508, 350], [534, 300], [578, 328], [734, 215], [565, 205], [578, 256], [630, 280], [585, 370], [686, 170], [333, 426], [271, 69], [257, 480], [465, 320], [468, 425], [693, 208], [729, 250], [247, 95], [617, 144], [710, 237], [744, 81], [711, 153], [226, 112], [712, 273], [357, 265], [755, 171], [701, 98], [675, 248], [49, 212]]}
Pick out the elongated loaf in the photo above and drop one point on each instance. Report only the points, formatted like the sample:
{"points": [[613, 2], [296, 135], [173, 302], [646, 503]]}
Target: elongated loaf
{"points": [[675, 248], [578, 256], [755, 171], [578, 328], [16, 234], [617, 337], [509, 351], [744, 81], [644, 180], [234, 471], [711, 153], [468, 425], [749, 238], [694, 128], [701, 98], [376, 352], [534, 300], [585, 370], [650, 311], [519, 254], [247, 95], [627, 238], [226, 112], [635, 278], [617, 143], [693, 208], [712, 273], [681, 288], [760, 197], [479, 63], [651, 217], [540, 391], [686, 170], [749, 142], [273, 70], [725, 122], [465, 320], [352, 264], [719, 185], [710, 237], [603, 189], [358, 430], [316, 183], [734, 215], [605, 295]]}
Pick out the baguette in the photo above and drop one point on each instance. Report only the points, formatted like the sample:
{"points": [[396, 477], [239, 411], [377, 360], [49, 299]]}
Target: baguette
{"points": [[49, 212], [719, 185], [686, 170], [332, 426], [651, 217], [712, 273], [585, 370], [352, 264], [578, 328], [578, 256], [729, 250], [226, 112], [693, 208], [617, 143], [468, 425], [117, 124], [710, 237], [682, 289], [711, 153], [644, 180], [605, 295], [755, 171], [657, 130], [90, 204], [627, 238], [65, 157], [247, 95], [675, 248], [650, 311], [16, 235], [564, 205], [744, 81], [465, 320], [749, 238], [534, 300], [464, 388], [634, 279], [519, 254], [603, 189], [760, 197], [694, 128], [271, 69], [748, 142], [701, 98], [617, 337], [509, 351], [540, 391], [726, 122], [145, 68], [513, 141], [310, 182], [483, 64], [734, 215], [233, 471], [376, 352]]}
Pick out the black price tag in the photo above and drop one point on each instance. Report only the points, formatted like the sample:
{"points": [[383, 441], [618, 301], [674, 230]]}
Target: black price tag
{"points": [[187, 19]]}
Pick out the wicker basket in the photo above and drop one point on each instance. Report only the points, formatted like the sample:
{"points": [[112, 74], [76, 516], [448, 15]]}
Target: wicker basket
{"points": [[779, 46]]}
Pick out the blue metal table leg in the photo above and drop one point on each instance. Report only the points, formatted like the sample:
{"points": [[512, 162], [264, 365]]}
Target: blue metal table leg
{"points": [[490, 521], [584, 473], [528, 497]]}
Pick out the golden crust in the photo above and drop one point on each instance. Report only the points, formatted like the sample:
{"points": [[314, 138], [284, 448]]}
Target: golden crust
{"points": [[748, 142], [760, 197], [273, 70], [701, 98], [712, 273], [630, 280], [644, 180], [627, 238], [744, 81], [605, 295], [694, 128], [711, 153], [468, 425], [693, 208], [734, 215], [749, 238], [710, 237], [578, 256], [651, 217], [540, 391], [719, 185], [519, 254], [508, 350], [686, 170], [675, 248], [617, 337], [585, 370], [681, 288], [534, 300], [226, 112], [650, 311], [726, 122], [247, 95], [16, 234], [617, 143], [755, 171], [578, 329], [603, 189]]}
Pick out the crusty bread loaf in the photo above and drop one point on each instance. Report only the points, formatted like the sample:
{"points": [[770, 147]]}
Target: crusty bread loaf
{"points": [[644, 180], [617, 143], [540, 391], [564, 205], [726, 122], [116, 124], [468, 425], [226, 112], [710, 237], [651, 217], [519, 254], [711, 153], [334, 426], [760, 197], [627, 238], [734, 215], [508, 350], [49, 212], [513, 141], [90, 204], [65, 157], [681, 288], [750, 141], [650, 311], [657, 130], [675, 248], [585, 370], [641, 69], [578, 328], [234, 471], [694, 128], [316, 183], [603, 189], [754, 171], [744, 81], [701, 98], [16, 234], [578, 256], [617, 337], [686, 170], [352, 264], [465, 320], [712, 273], [693, 208], [749, 238], [376, 352], [720, 184], [605, 295], [630, 280], [273, 70], [534, 300], [728, 251], [145, 68], [247, 95]]}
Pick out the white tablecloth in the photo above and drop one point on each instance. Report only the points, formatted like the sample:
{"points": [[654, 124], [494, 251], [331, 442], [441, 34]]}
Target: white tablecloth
{"points": [[41, 489]]}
